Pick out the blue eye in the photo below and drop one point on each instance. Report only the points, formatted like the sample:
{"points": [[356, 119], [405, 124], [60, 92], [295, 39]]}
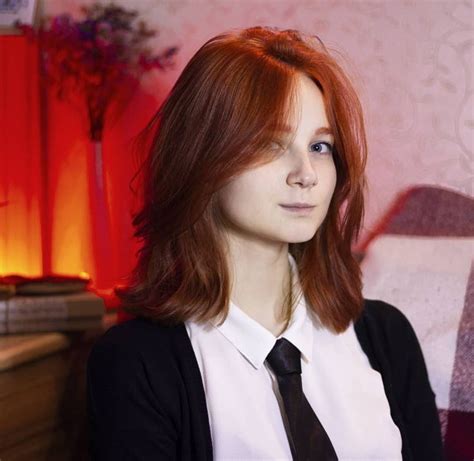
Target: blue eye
{"points": [[329, 147]]}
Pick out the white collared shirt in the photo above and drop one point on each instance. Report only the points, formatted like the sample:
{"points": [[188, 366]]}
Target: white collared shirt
{"points": [[245, 408]]}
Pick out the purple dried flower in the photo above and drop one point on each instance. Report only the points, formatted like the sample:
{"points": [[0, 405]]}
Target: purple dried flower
{"points": [[87, 29]]}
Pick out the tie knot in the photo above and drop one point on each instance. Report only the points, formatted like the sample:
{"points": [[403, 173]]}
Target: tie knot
{"points": [[284, 358]]}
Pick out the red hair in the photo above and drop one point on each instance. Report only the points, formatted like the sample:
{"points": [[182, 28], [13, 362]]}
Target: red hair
{"points": [[216, 122]]}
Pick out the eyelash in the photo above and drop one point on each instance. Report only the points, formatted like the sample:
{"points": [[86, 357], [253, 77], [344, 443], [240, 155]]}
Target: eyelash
{"points": [[329, 146]]}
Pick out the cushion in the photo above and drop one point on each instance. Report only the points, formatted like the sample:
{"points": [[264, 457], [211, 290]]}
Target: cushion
{"points": [[431, 280]]}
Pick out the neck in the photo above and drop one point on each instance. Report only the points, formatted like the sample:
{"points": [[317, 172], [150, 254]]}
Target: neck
{"points": [[261, 278]]}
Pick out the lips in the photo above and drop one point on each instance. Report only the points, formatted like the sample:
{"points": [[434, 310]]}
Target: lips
{"points": [[298, 209], [297, 205]]}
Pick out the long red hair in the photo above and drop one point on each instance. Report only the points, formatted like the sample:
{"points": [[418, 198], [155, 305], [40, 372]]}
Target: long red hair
{"points": [[216, 122]]}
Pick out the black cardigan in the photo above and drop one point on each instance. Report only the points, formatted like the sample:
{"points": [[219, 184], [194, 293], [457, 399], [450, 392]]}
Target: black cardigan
{"points": [[146, 401]]}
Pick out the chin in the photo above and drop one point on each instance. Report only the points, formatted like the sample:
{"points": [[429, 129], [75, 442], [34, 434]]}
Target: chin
{"points": [[299, 240], [299, 237]]}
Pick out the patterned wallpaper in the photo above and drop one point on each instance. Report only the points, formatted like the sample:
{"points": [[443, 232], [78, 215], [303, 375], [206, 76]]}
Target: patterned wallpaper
{"points": [[411, 61]]}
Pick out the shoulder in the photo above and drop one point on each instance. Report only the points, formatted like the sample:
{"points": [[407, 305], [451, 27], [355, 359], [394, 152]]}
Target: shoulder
{"points": [[137, 347], [389, 319], [382, 311], [390, 330], [134, 392], [133, 336], [395, 344], [138, 331]]}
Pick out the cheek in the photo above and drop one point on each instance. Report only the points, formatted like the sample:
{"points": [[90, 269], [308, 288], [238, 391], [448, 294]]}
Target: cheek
{"points": [[249, 190], [237, 200], [236, 193]]}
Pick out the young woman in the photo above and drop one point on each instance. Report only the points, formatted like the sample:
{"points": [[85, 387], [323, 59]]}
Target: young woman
{"points": [[252, 339]]}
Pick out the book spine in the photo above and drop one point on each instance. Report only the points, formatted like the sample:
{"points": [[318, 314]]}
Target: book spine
{"points": [[50, 325], [21, 308], [28, 308]]}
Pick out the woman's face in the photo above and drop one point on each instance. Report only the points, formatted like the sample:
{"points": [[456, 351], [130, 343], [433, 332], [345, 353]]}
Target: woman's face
{"points": [[254, 204]]}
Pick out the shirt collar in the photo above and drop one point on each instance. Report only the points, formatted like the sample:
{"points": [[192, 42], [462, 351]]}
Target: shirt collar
{"points": [[255, 342]]}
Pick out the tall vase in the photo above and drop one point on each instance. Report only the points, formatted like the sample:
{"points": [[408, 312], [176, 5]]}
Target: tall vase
{"points": [[100, 219]]}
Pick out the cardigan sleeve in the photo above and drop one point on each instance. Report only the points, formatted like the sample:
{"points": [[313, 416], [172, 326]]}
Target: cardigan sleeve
{"points": [[126, 415], [415, 393]]}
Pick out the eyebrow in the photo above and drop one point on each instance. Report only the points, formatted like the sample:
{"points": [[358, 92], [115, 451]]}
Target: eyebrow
{"points": [[318, 131]]}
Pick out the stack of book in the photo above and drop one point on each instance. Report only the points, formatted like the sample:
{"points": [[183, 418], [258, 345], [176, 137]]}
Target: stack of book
{"points": [[50, 303]]}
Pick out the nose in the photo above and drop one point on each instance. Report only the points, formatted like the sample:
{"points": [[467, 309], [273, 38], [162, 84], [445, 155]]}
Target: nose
{"points": [[302, 172]]}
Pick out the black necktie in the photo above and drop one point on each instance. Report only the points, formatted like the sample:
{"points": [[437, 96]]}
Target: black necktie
{"points": [[308, 441]]}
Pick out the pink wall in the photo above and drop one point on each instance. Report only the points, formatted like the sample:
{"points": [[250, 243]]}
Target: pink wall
{"points": [[410, 60]]}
